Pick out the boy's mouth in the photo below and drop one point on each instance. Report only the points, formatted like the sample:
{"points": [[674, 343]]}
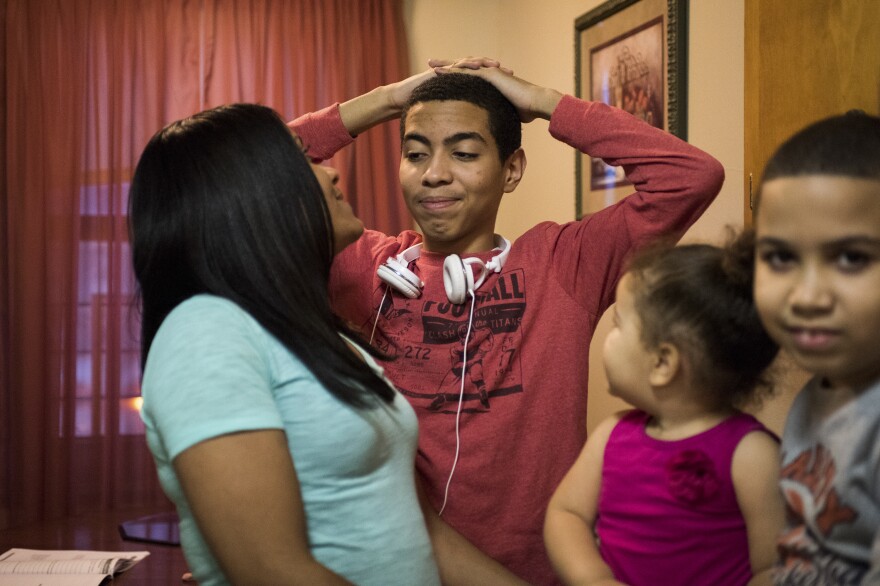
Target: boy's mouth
{"points": [[438, 203], [813, 339]]}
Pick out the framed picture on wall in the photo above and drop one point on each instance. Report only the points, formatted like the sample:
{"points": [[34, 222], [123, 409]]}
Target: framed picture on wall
{"points": [[631, 54]]}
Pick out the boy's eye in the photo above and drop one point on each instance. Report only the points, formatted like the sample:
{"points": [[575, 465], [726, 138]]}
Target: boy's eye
{"points": [[414, 157], [777, 259], [852, 260], [465, 156]]}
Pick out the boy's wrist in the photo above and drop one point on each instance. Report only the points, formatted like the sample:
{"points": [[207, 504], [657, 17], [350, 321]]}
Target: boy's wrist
{"points": [[547, 102]]}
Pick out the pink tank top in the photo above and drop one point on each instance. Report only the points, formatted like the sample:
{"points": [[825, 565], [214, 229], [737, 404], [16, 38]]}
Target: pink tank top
{"points": [[667, 509]]}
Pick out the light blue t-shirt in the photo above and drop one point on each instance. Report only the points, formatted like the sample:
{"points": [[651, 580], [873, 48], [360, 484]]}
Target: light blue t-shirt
{"points": [[213, 370]]}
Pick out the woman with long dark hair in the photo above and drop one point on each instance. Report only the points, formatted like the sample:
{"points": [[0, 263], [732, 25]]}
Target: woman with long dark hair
{"points": [[288, 455]]}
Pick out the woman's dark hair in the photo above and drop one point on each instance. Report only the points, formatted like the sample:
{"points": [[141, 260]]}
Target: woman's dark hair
{"points": [[504, 122], [699, 297], [225, 203]]}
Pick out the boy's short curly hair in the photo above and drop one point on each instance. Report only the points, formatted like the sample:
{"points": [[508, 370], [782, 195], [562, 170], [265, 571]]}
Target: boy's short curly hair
{"points": [[846, 145], [504, 122]]}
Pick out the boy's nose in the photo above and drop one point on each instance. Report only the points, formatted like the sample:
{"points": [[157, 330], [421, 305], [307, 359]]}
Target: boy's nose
{"points": [[811, 293], [437, 172]]}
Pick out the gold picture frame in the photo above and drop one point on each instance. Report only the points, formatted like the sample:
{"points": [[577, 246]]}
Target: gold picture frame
{"points": [[631, 54]]}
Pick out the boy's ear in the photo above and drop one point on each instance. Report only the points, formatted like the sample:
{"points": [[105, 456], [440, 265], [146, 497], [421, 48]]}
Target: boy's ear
{"points": [[514, 168], [666, 364]]}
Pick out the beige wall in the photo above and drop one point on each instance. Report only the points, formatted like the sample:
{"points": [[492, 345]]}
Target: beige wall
{"points": [[536, 39]]}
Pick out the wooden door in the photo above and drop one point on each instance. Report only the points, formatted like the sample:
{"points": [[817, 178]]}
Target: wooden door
{"points": [[804, 60]]}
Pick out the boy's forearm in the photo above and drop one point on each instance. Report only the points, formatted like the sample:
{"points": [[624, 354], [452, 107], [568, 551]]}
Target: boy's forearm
{"points": [[365, 111], [378, 105], [460, 562]]}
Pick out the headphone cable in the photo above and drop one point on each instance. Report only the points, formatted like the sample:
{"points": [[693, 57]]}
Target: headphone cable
{"points": [[378, 313], [460, 401]]}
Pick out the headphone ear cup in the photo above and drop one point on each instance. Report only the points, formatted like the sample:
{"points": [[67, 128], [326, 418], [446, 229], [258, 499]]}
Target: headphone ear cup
{"points": [[458, 280], [401, 278]]}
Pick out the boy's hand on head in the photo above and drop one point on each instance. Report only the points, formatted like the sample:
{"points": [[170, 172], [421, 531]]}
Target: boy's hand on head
{"points": [[530, 100], [469, 63], [399, 92]]}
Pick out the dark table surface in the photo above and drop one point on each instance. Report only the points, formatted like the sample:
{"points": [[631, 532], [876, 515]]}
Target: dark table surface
{"points": [[101, 532]]}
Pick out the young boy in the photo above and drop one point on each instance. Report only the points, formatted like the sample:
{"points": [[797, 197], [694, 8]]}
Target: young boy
{"points": [[817, 289]]}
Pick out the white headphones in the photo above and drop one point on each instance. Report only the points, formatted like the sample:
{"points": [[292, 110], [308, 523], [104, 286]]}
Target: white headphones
{"points": [[458, 276]]}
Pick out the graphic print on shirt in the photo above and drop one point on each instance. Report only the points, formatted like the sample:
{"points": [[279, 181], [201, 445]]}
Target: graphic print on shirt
{"points": [[426, 339], [814, 509]]}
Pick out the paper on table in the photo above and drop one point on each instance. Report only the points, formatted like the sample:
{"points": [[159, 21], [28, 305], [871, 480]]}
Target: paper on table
{"points": [[52, 579], [34, 567]]}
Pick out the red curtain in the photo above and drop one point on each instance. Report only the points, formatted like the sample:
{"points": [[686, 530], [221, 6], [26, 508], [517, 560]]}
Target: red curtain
{"points": [[85, 83]]}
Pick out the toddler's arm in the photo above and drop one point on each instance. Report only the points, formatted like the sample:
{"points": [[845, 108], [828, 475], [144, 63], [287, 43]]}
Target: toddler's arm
{"points": [[571, 514], [755, 472]]}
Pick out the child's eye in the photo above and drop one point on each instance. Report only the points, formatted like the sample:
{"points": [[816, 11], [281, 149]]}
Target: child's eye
{"points": [[465, 156], [777, 259], [852, 260]]}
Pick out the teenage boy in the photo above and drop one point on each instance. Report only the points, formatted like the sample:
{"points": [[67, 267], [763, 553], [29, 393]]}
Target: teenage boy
{"points": [[490, 340], [817, 289]]}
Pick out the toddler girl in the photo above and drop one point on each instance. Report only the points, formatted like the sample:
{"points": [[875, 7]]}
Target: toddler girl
{"points": [[682, 489]]}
